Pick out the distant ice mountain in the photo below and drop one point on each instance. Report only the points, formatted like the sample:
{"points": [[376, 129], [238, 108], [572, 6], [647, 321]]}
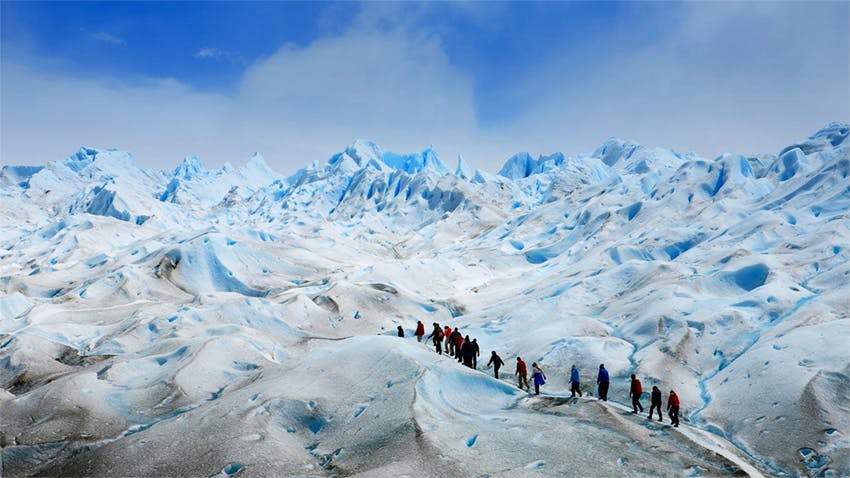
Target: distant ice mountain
{"points": [[236, 321]]}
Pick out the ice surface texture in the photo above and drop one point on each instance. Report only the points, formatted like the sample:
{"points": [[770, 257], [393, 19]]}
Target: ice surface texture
{"points": [[235, 322]]}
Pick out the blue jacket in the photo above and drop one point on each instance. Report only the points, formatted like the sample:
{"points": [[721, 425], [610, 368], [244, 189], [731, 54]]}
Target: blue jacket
{"points": [[603, 375], [538, 379], [574, 375]]}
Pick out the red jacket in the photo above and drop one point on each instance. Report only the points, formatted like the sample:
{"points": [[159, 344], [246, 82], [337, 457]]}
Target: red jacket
{"points": [[520, 367], [673, 401], [420, 330], [447, 332], [459, 340], [636, 389]]}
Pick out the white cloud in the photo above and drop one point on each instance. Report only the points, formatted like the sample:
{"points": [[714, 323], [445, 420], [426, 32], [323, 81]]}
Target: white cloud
{"points": [[398, 90], [747, 77], [210, 53], [743, 77], [297, 106], [45, 117], [104, 37]]}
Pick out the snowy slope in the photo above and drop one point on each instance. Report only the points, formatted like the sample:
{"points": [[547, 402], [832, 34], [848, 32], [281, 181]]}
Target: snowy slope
{"points": [[201, 321]]}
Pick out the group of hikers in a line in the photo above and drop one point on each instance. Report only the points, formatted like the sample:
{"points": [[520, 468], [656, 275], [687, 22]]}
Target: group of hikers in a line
{"points": [[467, 352], [456, 345]]}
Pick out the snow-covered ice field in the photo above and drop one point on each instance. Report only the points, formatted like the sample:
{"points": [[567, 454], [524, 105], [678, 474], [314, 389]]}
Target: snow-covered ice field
{"points": [[203, 322]]}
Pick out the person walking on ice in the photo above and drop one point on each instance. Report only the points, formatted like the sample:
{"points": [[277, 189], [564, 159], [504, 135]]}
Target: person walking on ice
{"points": [[538, 377], [673, 408], [454, 346], [603, 381], [420, 330], [522, 372], [497, 363], [466, 352], [655, 402], [458, 345], [575, 383], [635, 391], [437, 334], [475, 353], [400, 331]]}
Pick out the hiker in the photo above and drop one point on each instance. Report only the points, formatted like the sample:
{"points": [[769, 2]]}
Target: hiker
{"points": [[538, 377], [655, 402], [475, 353], [420, 330], [458, 345], [673, 408], [437, 334], [468, 352], [603, 382], [400, 331], [522, 372], [497, 363], [455, 350], [635, 391], [447, 334], [574, 381]]}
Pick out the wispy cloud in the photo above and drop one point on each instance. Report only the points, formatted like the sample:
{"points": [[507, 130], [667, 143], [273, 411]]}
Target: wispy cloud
{"points": [[104, 37], [211, 53]]}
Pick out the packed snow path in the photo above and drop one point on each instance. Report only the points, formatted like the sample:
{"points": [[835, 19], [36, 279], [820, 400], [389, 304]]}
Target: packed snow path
{"points": [[229, 321]]}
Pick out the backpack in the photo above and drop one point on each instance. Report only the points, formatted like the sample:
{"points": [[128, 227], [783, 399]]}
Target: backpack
{"points": [[439, 334]]}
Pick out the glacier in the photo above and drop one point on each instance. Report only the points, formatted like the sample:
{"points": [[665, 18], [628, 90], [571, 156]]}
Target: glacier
{"points": [[236, 321]]}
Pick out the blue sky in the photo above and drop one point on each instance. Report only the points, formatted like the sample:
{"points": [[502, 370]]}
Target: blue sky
{"points": [[299, 81]]}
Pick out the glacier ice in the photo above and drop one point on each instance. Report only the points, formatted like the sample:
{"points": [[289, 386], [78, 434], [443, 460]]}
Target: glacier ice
{"points": [[235, 322]]}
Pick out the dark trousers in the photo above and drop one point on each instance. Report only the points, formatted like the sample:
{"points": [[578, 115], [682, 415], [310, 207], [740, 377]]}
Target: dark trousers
{"points": [[655, 406], [475, 362], [603, 391], [523, 380], [496, 371], [636, 403], [674, 415], [439, 346], [575, 388]]}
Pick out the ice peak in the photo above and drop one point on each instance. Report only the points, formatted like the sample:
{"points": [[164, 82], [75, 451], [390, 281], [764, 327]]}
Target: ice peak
{"points": [[257, 162], [416, 162], [191, 167], [552, 161], [84, 153], [362, 151], [835, 133], [82, 158], [518, 166], [463, 170], [257, 170], [615, 149]]}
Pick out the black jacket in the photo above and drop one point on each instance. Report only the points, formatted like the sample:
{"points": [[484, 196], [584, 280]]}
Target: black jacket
{"points": [[656, 397], [496, 361]]}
